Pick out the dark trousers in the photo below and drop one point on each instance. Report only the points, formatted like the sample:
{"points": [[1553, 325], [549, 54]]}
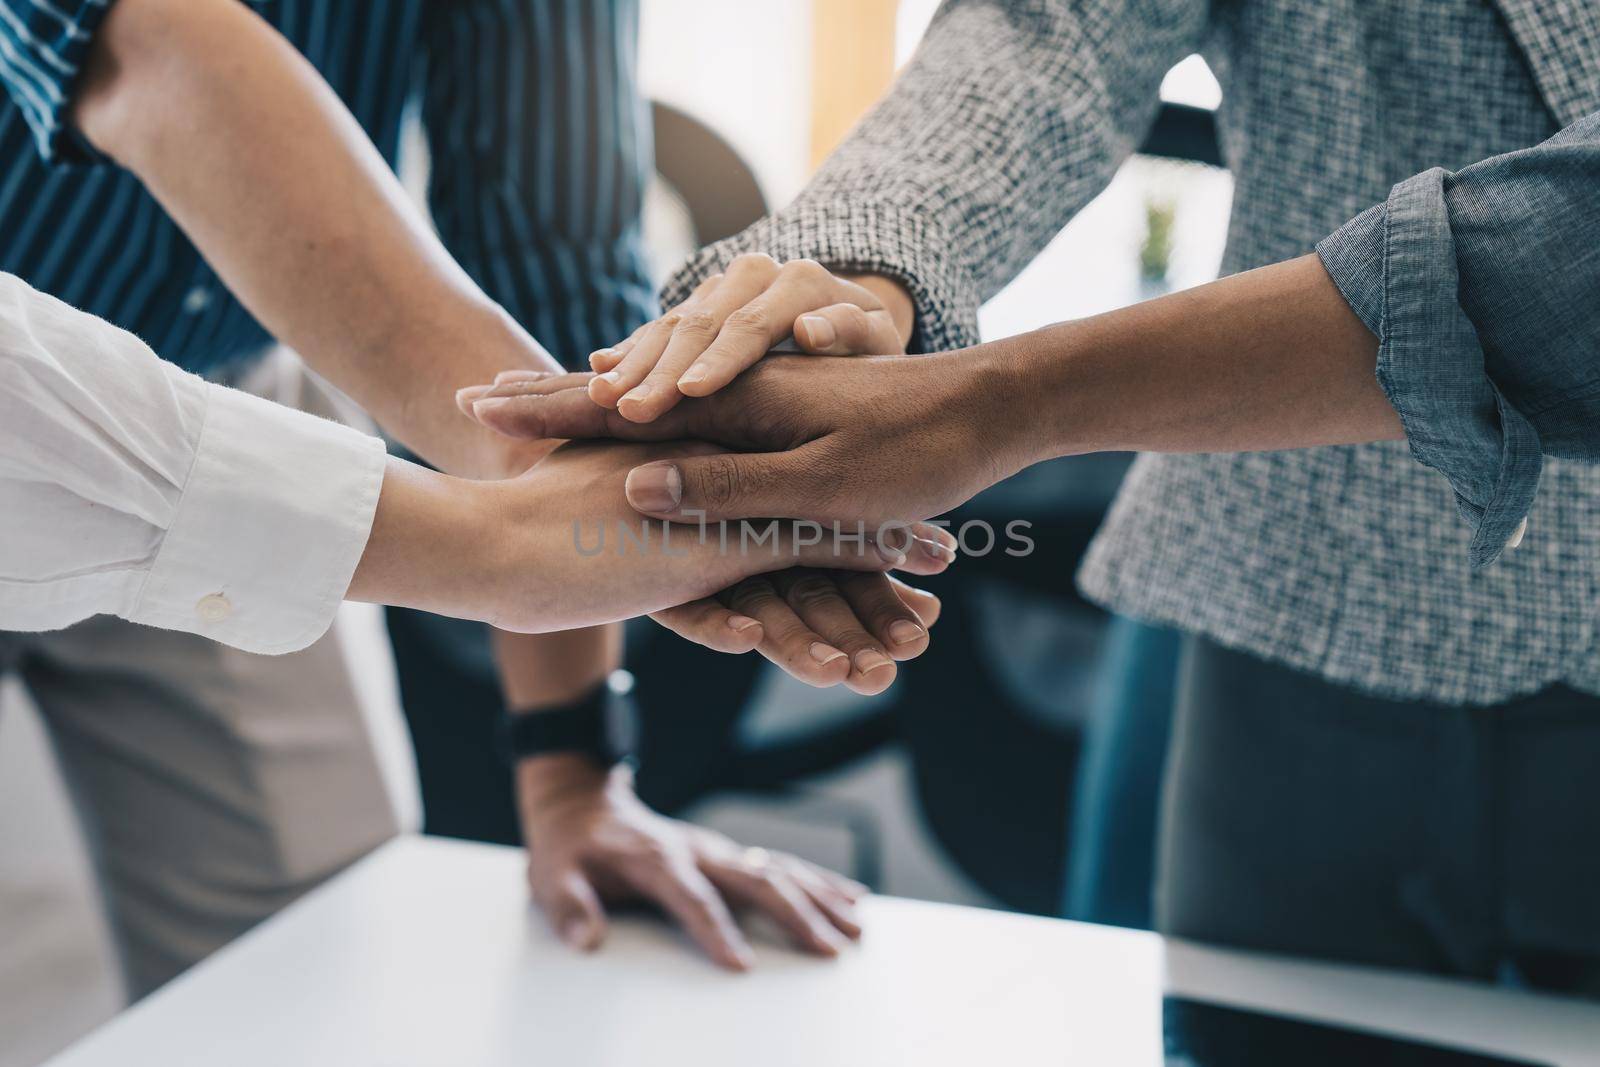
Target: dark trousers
{"points": [[1305, 818], [451, 696]]}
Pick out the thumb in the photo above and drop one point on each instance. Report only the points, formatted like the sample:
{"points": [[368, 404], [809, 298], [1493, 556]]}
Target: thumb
{"points": [[725, 486], [847, 330], [572, 908]]}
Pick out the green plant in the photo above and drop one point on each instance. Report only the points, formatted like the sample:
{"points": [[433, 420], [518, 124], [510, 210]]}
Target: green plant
{"points": [[1155, 254]]}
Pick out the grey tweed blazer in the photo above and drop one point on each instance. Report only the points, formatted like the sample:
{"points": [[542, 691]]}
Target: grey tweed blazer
{"points": [[1346, 562]]}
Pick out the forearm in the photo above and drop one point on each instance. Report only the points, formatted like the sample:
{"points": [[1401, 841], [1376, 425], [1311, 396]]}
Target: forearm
{"points": [[1270, 359], [255, 157], [432, 545]]}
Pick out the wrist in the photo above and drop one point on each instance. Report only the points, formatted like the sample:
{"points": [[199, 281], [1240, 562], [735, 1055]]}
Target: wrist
{"points": [[549, 786], [467, 341], [1060, 392], [1000, 403]]}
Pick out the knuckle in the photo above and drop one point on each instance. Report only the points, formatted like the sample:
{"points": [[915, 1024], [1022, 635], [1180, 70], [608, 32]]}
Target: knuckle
{"points": [[812, 590], [720, 481], [752, 595], [754, 263], [806, 270], [701, 910], [754, 602], [696, 324], [854, 318], [749, 321]]}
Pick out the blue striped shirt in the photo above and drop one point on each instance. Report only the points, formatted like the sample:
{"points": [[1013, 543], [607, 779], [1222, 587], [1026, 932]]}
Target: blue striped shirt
{"points": [[540, 151]]}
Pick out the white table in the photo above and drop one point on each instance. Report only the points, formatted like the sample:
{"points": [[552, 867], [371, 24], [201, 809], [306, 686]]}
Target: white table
{"points": [[427, 953]]}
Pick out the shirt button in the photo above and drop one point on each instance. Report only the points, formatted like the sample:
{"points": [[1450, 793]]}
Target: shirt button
{"points": [[213, 608], [1516, 535], [197, 300]]}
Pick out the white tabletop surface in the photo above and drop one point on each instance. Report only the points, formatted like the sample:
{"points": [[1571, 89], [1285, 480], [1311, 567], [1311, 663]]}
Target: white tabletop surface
{"points": [[427, 953]]}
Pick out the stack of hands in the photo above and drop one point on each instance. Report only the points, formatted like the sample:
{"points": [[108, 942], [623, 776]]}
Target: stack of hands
{"points": [[822, 607], [708, 428]]}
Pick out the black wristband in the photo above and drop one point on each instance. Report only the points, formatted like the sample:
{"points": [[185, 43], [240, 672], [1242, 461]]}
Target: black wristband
{"points": [[582, 727]]}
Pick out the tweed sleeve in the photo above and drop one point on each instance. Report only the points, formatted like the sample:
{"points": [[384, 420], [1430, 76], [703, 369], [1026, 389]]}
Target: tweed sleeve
{"points": [[1010, 118]]}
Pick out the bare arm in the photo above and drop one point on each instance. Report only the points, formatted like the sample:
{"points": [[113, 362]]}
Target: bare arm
{"points": [[249, 150], [1270, 359]]}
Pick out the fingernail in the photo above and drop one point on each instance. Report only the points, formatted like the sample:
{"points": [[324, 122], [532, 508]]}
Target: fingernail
{"points": [[655, 488], [871, 660], [600, 356], [892, 556], [693, 376], [825, 654], [638, 394], [465, 397], [522, 375], [742, 622], [489, 405], [819, 330], [906, 632], [611, 376]]}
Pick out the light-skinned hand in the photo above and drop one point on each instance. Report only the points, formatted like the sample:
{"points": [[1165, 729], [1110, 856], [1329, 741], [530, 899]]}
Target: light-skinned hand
{"points": [[733, 319], [592, 843]]}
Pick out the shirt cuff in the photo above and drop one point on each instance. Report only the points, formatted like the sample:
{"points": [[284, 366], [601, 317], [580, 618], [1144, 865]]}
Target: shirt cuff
{"points": [[1396, 266], [273, 519], [856, 238]]}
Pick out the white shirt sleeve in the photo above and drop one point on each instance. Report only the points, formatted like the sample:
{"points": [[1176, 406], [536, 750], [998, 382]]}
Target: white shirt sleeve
{"points": [[130, 487]]}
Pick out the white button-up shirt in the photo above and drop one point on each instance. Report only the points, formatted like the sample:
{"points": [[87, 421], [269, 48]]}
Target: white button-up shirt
{"points": [[130, 487]]}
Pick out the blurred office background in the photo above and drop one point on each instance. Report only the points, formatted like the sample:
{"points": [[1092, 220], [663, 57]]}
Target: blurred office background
{"points": [[955, 785]]}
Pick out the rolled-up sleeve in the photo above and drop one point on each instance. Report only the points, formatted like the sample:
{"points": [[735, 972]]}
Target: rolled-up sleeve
{"points": [[129, 487], [1483, 288], [43, 45]]}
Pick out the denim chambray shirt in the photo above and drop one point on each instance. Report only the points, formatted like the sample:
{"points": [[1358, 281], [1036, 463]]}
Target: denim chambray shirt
{"points": [[1483, 287]]}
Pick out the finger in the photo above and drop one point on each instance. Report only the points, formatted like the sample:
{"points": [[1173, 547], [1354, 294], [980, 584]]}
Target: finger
{"points": [[873, 600], [567, 413], [817, 599], [538, 385], [847, 329], [801, 286], [636, 362], [928, 549], [829, 897], [849, 888], [528, 383], [690, 898], [603, 359], [727, 486], [693, 334], [786, 640], [770, 890], [709, 623], [571, 907], [925, 604], [525, 374]]}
